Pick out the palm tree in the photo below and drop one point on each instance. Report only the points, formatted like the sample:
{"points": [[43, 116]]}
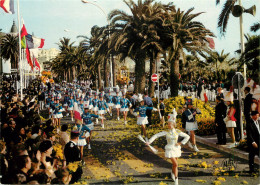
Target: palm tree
{"points": [[224, 15], [255, 27], [130, 34], [9, 49], [181, 33], [251, 55]]}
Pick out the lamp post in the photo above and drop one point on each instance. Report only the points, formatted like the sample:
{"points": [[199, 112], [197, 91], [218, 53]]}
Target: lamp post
{"points": [[108, 22]]}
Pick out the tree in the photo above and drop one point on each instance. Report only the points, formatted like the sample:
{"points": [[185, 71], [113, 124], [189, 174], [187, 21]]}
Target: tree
{"points": [[251, 56], [10, 49], [130, 34], [224, 15], [181, 33]]}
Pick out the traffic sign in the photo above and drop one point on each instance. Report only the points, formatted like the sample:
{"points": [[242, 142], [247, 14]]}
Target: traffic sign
{"points": [[238, 80], [154, 77]]}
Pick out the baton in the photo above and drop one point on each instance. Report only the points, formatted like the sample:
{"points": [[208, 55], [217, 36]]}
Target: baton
{"points": [[152, 148]]}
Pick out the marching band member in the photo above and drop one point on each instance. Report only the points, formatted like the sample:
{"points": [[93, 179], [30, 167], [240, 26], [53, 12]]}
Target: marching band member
{"points": [[124, 107], [71, 106], [58, 112], [86, 116], [95, 105], [117, 102], [83, 134], [47, 104], [190, 123], [110, 102], [66, 103], [173, 147], [142, 118], [90, 101], [102, 107], [52, 107]]}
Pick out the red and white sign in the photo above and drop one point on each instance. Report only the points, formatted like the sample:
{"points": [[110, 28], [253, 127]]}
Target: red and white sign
{"points": [[154, 77]]}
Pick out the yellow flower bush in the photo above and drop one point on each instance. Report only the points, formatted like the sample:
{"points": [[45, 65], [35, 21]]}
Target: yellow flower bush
{"points": [[58, 150], [206, 120], [72, 167]]}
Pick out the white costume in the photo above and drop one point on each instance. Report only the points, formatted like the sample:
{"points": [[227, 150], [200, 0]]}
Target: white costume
{"points": [[171, 150]]}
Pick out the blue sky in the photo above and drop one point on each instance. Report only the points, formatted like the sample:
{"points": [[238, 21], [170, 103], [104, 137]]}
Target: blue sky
{"points": [[49, 18]]}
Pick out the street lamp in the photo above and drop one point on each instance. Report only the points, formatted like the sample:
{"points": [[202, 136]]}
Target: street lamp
{"points": [[108, 22]]}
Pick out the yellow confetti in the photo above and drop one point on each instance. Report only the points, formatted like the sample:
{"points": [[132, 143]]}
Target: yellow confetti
{"points": [[221, 179], [216, 162], [216, 183], [201, 181], [244, 182]]}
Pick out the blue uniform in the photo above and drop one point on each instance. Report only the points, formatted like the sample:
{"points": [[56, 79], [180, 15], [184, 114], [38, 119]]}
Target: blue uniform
{"points": [[109, 99], [124, 103], [102, 105], [142, 110], [82, 130], [87, 118], [71, 103], [117, 100], [66, 100]]}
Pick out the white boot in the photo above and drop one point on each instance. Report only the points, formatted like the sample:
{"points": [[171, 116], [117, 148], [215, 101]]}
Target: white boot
{"points": [[89, 147], [190, 145], [125, 122], [118, 118], [176, 181], [173, 176], [72, 119], [96, 121], [103, 126], [195, 148]]}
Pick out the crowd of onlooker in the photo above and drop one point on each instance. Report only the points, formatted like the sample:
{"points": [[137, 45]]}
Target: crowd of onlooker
{"points": [[27, 142]]}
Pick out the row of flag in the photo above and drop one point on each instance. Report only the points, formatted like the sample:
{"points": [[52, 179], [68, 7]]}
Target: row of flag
{"points": [[28, 41]]}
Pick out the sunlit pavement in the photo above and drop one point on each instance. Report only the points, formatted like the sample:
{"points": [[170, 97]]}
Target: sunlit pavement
{"points": [[118, 156]]}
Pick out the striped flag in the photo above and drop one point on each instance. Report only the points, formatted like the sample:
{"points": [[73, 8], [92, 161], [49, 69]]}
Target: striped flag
{"points": [[7, 6], [77, 113], [34, 42], [211, 42]]}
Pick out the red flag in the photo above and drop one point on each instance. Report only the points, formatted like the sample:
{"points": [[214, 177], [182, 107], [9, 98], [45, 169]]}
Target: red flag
{"points": [[28, 56], [7, 5], [38, 67], [23, 31], [77, 113], [211, 43]]}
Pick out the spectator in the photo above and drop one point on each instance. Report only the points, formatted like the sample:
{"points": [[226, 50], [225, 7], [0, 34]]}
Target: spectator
{"points": [[247, 103], [149, 103], [253, 133], [220, 114]]}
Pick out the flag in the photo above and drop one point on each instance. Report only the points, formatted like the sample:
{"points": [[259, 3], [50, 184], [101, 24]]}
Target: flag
{"points": [[211, 42], [7, 5], [203, 95], [23, 34], [77, 113], [28, 56], [34, 42], [37, 65]]}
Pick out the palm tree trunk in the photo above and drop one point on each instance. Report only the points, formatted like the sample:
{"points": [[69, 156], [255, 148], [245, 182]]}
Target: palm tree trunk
{"points": [[174, 76], [114, 70], [152, 71], [106, 73], [140, 74], [99, 76]]}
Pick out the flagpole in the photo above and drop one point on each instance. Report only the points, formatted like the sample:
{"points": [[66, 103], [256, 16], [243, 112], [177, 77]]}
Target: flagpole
{"points": [[20, 55]]}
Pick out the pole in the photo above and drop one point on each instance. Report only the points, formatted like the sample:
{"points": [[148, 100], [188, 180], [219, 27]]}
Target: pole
{"points": [[242, 37], [240, 108], [20, 54], [111, 72], [158, 81]]}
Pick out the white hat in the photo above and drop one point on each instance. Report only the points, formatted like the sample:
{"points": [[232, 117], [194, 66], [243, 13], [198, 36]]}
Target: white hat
{"points": [[256, 94], [172, 117], [228, 96], [140, 97]]}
